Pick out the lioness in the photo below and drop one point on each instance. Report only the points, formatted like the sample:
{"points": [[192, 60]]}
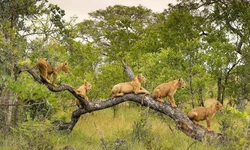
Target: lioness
{"points": [[46, 69], [82, 91], [168, 89], [204, 113], [129, 87]]}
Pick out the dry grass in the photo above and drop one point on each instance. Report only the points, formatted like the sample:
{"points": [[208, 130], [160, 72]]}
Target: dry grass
{"points": [[93, 127]]}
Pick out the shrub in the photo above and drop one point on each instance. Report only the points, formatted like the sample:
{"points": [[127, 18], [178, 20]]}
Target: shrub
{"points": [[32, 135]]}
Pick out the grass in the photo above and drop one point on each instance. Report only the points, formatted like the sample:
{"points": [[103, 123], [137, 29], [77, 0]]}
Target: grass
{"points": [[102, 124], [93, 127]]}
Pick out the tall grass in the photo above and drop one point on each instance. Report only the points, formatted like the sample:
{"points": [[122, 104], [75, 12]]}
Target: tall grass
{"points": [[100, 130]]}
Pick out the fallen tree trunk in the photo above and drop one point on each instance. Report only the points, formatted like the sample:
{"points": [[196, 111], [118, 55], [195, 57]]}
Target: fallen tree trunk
{"points": [[183, 123]]}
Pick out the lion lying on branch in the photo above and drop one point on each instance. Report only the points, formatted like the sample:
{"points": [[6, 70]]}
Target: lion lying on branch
{"points": [[46, 69], [133, 86]]}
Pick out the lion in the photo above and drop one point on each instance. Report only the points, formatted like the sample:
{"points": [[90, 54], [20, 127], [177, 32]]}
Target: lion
{"points": [[82, 91], [133, 86], [46, 69], [204, 113], [168, 89]]}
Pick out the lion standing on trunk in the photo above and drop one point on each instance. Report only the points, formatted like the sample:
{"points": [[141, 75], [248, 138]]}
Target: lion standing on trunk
{"points": [[133, 86], [205, 113], [46, 69], [168, 89]]}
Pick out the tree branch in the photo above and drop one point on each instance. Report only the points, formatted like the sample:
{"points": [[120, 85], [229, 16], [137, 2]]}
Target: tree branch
{"points": [[60, 88], [183, 123]]}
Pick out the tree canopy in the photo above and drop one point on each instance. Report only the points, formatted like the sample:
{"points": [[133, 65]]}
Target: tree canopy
{"points": [[205, 42]]}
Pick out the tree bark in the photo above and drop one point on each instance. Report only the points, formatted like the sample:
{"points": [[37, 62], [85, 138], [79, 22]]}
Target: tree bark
{"points": [[219, 84], [200, 91], [128, 71], [60, 88], [183, 123], [191, 90]]}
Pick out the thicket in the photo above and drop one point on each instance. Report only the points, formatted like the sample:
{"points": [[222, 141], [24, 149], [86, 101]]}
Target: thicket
{"points": [[204, 42]]}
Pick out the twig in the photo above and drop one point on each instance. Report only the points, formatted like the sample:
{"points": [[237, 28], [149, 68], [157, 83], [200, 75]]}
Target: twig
{"points": [[164, 119], [191, 144]]}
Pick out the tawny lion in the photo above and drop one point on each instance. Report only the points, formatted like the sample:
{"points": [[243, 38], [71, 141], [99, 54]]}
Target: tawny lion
{"points": [[133, 86], [168, 89], [46, 69], [82, 91], [204, 113]]}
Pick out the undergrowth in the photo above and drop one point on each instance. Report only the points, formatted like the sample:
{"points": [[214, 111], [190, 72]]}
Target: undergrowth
{"points": [[133, 128]]}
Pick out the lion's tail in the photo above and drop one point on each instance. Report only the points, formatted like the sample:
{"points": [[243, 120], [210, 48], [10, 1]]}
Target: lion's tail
{"points": [[155, 93], [111, 94], [192, 115], [27, 69]]}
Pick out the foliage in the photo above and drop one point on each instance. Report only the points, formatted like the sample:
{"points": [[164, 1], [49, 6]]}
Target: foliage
{"points": [[233, 125], [204, 42], [33, 135]]}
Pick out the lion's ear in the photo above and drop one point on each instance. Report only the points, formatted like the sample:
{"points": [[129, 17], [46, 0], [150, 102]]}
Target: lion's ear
{"points": [[65, 63], [180, 79], [139, 75]]}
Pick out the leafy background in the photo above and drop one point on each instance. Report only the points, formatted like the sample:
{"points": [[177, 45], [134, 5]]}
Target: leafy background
{"points": [[204, 42]]}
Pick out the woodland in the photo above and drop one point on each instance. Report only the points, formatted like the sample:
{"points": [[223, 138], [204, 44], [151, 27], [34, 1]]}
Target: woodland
{"points": [[204, 42]]}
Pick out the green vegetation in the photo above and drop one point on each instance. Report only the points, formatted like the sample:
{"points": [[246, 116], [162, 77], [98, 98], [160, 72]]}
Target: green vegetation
{"points": [[208, 47]]}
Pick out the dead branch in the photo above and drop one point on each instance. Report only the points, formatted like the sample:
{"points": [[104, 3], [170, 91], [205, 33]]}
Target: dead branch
{"points": [[60, 88], [183, 123]]}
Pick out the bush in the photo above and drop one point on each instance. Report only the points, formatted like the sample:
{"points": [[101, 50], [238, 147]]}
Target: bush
{"points": [[32, 135], [233, 125]]}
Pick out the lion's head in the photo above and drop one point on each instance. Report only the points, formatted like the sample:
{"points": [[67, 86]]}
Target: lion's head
{"points": [[141, 78], [181, 83], [87, 85], [65, 67], [219, 106]]}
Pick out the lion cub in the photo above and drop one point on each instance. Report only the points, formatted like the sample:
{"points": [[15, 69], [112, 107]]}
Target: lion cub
{"points": [[129, 87], [168, 89], [46, 69], [204, 113], [82, 91]]}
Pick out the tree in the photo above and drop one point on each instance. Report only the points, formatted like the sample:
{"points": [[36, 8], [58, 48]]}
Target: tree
{"points": [[191, 129], [16, 23], [224, 31], [116, 29]]}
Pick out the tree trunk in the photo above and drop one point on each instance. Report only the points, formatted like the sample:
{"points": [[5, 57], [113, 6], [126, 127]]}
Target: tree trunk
{"points": [[201, 102], [8, 114], [183, 123], [12, 74], [128, 71], [243, 94], [16, 112], [191, 90], [219, 90]]}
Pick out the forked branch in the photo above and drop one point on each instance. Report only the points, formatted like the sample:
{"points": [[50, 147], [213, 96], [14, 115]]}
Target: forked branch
{"points": [[183, 123]]}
